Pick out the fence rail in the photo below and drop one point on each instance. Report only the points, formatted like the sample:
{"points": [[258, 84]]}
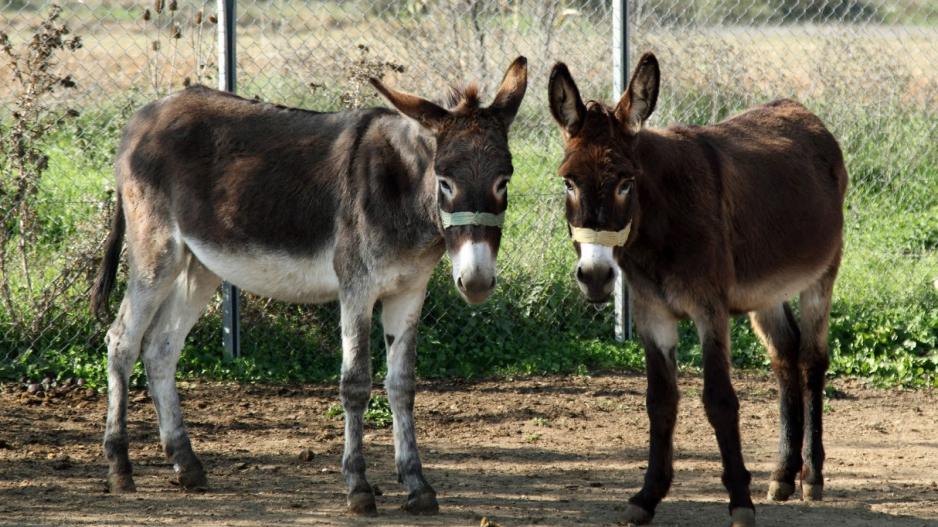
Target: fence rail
{"points": [[866, 67]]}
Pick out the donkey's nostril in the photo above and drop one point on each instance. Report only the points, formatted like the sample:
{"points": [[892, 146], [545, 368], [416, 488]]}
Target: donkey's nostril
{"points": [[459, 283], [492, 285], [610, 275], [579, 274]]}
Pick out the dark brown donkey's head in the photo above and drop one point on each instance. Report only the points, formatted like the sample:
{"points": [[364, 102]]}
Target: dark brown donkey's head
{"points": [[599, 169], [472, 166]]}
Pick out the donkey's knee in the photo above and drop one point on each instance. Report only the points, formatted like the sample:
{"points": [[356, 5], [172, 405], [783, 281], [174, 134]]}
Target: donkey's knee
{"points": [[355, 390], [814, 364]]}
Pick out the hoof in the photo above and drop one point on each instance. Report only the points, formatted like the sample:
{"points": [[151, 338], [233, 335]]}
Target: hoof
{"points": [[743, 517], [811, 492], [120, 483], [193, 480], [780, 491], [422, 501], [362, 502], [635, 515]]}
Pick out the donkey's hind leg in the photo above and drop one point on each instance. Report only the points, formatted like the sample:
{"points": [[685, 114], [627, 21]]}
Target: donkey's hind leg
{"points": [[815, 305], [153, 267], [778, 330], [161, 348]]}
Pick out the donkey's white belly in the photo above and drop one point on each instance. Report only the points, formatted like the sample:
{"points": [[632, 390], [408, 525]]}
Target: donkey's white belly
{"points": [[274, 274], [771, 291]]}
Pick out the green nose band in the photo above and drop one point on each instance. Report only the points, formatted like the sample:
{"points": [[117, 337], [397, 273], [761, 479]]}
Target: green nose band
{"points": [[455, 219]]}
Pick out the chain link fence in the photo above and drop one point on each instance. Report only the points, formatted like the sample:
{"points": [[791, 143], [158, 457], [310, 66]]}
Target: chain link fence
{"points": [[867, 67]]}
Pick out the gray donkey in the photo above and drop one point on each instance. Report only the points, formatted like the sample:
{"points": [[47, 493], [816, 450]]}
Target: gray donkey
{"points": [[304, 207]]}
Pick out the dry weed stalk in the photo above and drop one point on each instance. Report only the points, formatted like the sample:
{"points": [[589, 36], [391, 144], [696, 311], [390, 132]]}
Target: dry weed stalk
{"points": [[22, 159], [359, 92], [167, 25]]}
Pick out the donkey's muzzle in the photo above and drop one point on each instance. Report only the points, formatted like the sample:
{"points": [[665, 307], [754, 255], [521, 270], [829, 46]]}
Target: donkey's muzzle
{"points": [[477, 288], [474, 271], [597, 282], [595, 272]]}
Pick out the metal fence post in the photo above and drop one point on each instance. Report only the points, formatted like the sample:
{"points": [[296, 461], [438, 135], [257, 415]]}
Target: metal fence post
{"points": [[231, 323], [620, 79]]}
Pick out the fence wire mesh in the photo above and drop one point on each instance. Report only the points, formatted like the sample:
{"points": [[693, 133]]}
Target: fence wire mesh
{"points": [[867, 67]]}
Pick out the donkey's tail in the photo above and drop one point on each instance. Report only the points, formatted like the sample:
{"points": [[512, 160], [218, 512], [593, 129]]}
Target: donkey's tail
{"points": [[104, 282]]}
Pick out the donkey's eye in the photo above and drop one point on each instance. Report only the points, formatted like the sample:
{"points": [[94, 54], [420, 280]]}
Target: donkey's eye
{"points": [[446, 187], [569, 184], [624, 188], [501, 186]]}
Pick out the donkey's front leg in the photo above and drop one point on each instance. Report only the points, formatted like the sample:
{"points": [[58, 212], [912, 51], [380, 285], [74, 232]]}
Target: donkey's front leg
{"points": [[355, 390], [658, 331], [399, 316], [722, 408]]}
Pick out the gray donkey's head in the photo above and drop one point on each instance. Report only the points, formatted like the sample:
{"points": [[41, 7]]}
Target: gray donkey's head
{"points": [[472, 165]]}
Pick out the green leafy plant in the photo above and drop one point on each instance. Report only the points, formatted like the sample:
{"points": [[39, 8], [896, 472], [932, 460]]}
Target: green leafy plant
{"points": [[377, 414]]}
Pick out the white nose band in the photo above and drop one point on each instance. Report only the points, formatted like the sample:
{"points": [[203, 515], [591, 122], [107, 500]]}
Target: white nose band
{"points": [[607, 238]]}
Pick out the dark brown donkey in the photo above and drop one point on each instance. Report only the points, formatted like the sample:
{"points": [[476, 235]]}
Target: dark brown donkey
{"points": [[708, 222], [304, 207]]}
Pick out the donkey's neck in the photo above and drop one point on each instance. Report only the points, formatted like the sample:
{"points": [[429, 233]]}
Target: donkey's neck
{"points": [[417, 148], [662, 155]]}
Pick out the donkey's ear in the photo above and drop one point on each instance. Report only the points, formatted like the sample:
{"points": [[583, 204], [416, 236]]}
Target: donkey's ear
{"points": [[639, 100], [564, 98], [511, 91], [426, 113]]}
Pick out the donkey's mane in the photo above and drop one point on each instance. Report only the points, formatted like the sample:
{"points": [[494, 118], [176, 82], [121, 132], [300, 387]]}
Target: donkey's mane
{"points": [[592, 103], [462, 97]]}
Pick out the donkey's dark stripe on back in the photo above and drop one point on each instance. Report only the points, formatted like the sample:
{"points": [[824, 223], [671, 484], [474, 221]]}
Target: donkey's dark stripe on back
{"points": [[305, 207], [734, 217]]}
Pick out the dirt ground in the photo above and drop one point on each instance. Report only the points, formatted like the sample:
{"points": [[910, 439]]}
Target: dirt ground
{"points": [[557, 451]]}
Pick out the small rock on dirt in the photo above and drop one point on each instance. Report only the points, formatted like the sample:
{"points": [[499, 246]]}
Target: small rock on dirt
{"points": [[241, 466], [34, 388], [61, 462], [486, 522], [306, 454]]}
